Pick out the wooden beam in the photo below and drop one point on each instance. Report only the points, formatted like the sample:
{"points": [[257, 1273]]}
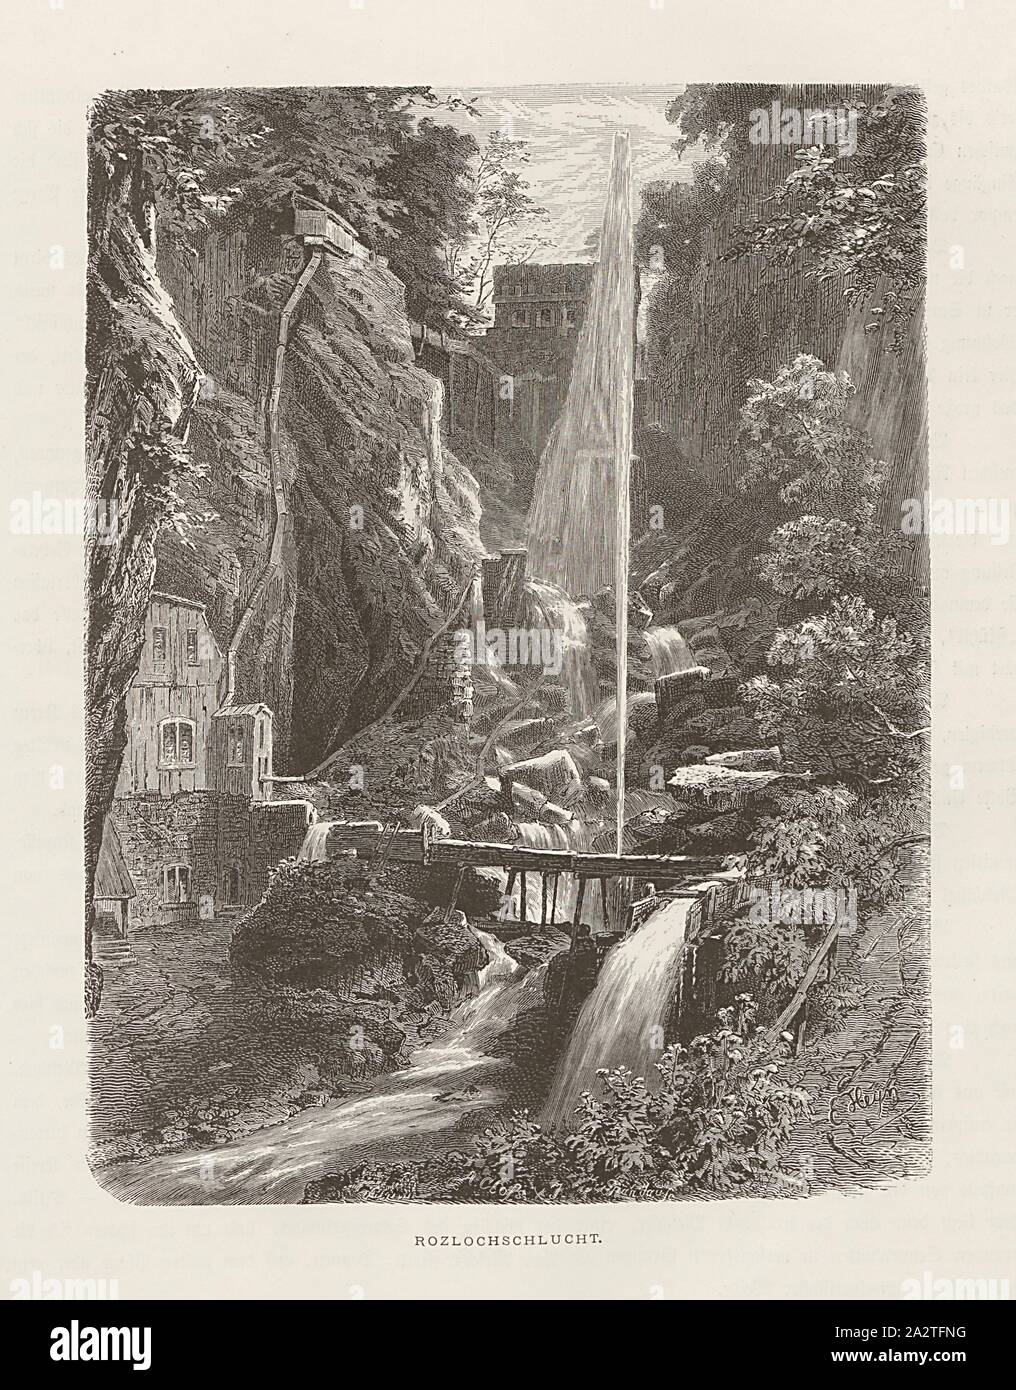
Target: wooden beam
{"points": [[807, 980], [523, 898], [578, 908], [417, 846]]}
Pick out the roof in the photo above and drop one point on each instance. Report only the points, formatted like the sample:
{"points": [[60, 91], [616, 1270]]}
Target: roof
{"points": [[158, 596], [112, 877], [231, 711]]}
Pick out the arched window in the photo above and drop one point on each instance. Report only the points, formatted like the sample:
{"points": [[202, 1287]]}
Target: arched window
{"points": [[176, 743]]}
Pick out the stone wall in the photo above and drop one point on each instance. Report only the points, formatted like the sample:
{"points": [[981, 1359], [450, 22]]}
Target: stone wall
{"points": [[276, 831], [206, 831]]}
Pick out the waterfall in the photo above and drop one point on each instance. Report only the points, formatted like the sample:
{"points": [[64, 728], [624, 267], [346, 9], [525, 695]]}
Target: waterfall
{"points": [[668, 651], [566, 620], [575, 835], [583, 478], [622, 1022], [315, 843], [500, 966]]}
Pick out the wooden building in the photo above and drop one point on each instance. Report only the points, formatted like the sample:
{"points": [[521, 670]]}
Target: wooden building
{"points": [[240, 755], [172, 701], [178, 844]]}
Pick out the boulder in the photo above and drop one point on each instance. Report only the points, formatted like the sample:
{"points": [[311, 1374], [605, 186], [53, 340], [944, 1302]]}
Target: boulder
{"points": [[748, 759], [555, 774]]}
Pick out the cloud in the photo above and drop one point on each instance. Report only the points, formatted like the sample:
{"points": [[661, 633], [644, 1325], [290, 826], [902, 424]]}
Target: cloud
{"points": [[569, 132]]}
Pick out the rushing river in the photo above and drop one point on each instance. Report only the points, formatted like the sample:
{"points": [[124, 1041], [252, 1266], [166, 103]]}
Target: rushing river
{"points": [[408, 1114]]}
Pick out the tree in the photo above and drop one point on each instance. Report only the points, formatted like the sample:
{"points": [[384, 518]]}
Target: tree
{"points": [[508, 219], [399, 176], [669, 234], [431, 175], [850, 698], [862, 218]]}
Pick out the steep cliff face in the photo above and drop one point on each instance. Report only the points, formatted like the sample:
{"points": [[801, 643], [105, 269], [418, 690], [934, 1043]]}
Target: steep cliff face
{"points": [[380, 538], [142, 380], [749, 316]]}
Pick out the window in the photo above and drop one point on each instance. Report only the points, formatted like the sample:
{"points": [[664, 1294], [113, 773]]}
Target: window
{"points": [[545, 318], [520, 318], [159, 646], [176, 743], [192, 646], [176, 883], [231, 886], [570, 315], [261, 733], [235, 738]]}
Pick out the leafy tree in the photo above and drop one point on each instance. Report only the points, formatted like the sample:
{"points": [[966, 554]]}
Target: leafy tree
{"points": [[431, 173], [153, 150], [862, 218], [508, 219], [849, 699], [399, 176]]}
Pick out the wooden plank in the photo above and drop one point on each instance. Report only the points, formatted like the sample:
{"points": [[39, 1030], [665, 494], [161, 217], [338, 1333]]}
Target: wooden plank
{"points": [[807, 980], [415, 846]]}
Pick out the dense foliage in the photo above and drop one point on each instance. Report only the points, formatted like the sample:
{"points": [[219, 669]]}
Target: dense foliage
{"points": [[380, 157], [717, 1122]]}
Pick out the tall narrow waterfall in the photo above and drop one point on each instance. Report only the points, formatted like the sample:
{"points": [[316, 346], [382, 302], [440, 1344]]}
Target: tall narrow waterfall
{"points": [[580, 519], [622, 1021]]}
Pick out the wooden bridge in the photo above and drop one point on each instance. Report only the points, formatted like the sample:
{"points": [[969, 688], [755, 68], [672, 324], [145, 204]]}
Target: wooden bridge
{"points": [[371, 841]]}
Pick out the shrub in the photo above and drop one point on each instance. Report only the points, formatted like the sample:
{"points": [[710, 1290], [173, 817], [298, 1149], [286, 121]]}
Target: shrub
{"points": [[717, 1123]]}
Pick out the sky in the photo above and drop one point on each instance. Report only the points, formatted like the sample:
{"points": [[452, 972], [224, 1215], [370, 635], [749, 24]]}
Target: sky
{"points": [[569, 131]]}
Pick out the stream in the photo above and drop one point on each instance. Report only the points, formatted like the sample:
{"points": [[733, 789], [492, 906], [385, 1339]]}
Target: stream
{"points": [[410, 1113]]}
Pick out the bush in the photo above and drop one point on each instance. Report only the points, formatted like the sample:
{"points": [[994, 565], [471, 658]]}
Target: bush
{"points": [[717, 1123]]}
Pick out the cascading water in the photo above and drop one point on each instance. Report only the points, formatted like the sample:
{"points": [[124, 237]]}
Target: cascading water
{"points": [[575, 835], [585, 468], [564, 617], [621, 1022], [315, 843], [668, 651], [423, 1104]]}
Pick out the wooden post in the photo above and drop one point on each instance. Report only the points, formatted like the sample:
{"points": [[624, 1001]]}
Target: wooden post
{"points": [[606, 904], [455, 893], [543, 900], [578, 908], [523, 905], [553, 904], [801, 1025]]}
